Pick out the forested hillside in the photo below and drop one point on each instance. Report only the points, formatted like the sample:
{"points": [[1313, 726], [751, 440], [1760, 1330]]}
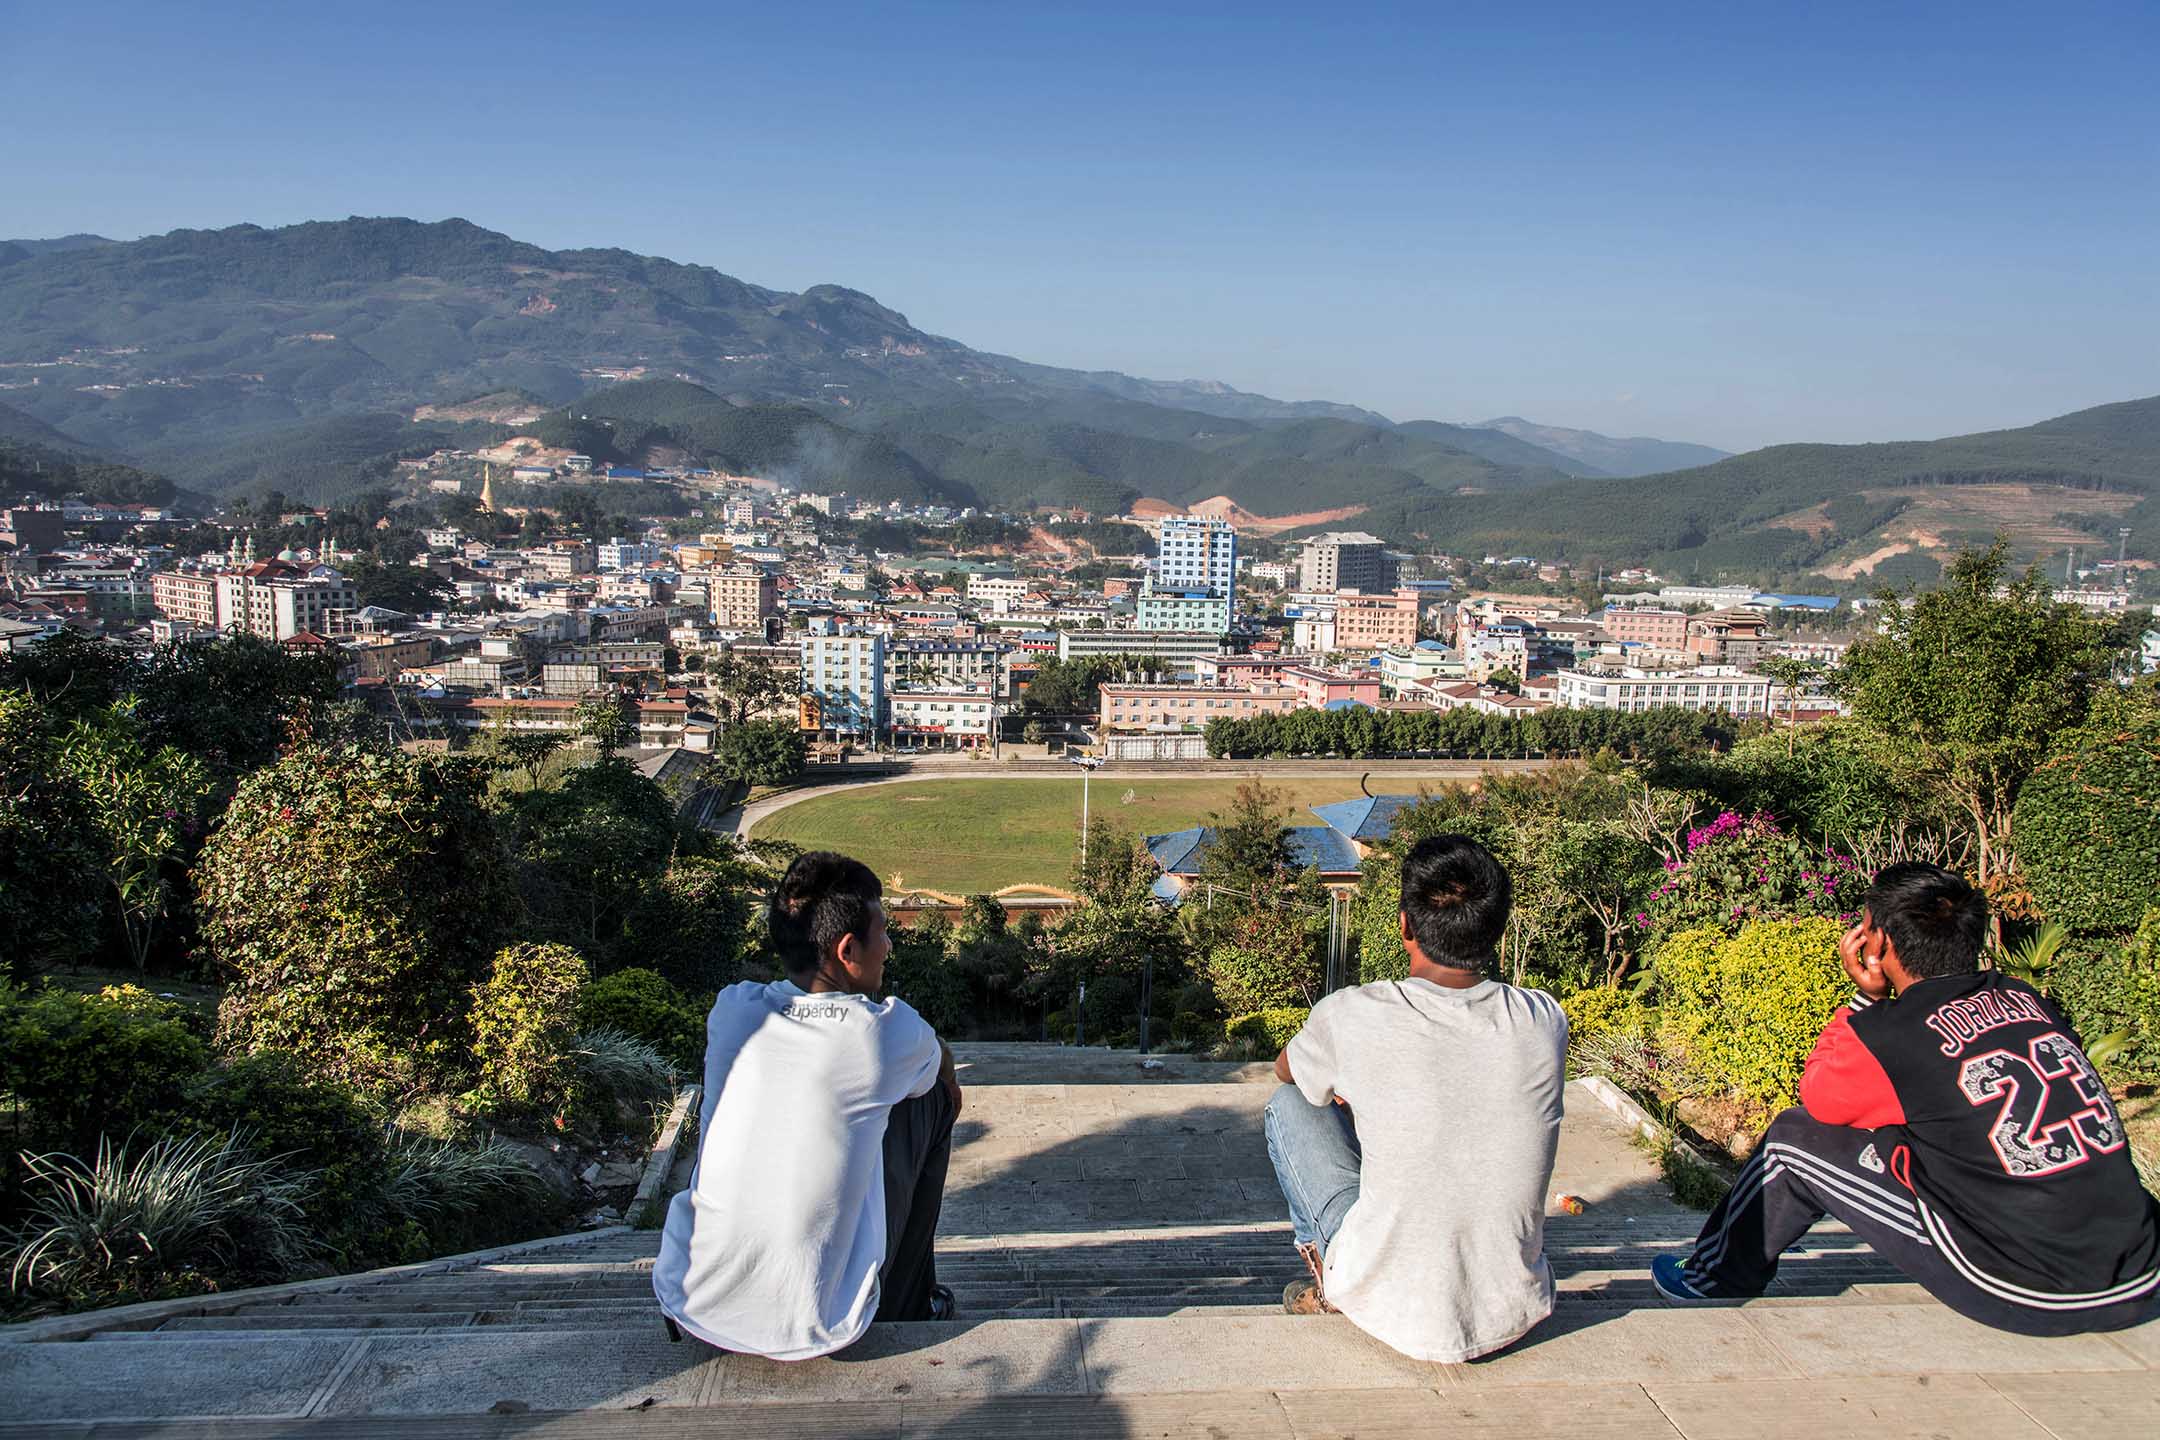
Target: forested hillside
{"points": [[221, 355], [1799, 509]]}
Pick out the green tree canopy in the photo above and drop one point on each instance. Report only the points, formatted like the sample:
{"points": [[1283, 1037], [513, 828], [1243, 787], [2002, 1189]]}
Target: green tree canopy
{"points": [[352, 897], [760, 752], [1968, 687]]}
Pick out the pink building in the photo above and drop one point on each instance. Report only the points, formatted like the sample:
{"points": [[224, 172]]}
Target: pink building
{"points": [[1317, 689], [1642, 625], [1169, 707]]}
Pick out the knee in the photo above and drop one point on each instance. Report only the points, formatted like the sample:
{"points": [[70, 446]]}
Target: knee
{"points": [[1287, 1106]]}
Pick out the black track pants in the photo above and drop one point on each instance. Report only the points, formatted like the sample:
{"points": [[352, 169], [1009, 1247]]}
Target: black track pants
{"points": [[918, 1147], [1804, 1170]]}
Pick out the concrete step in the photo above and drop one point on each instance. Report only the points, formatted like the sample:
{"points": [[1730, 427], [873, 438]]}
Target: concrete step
{"points": [[403, 1319], [622, 1367]]}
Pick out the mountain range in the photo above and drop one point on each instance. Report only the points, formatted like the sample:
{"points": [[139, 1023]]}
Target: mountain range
{"points": [[308, 356]]}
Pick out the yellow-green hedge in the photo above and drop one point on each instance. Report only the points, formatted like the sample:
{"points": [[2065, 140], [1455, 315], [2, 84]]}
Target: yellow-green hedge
{"points": [[1271, 1027], [1600, 1011], [1744, 1010]]}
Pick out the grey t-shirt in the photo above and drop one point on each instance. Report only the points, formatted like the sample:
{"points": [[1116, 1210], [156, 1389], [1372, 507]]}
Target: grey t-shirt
{"points": [[1456, 1095]]}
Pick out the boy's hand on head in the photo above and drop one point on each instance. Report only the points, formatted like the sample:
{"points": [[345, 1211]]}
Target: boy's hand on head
{"points": [[1863, 963]]}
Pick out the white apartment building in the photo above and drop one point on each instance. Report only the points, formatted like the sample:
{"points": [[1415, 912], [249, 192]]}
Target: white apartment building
{"points": [[843, 683], [278, 608], [627, 554], [999, 592], [959, 719], [1419, 667], [1194, 553], [1710, 687], [943, 665], [1182, 610], [739, 513], [1178, 647], [1718, 597]]}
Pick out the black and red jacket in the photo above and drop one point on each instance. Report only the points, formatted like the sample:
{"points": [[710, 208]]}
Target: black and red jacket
{"points": [[1989, 1112]]}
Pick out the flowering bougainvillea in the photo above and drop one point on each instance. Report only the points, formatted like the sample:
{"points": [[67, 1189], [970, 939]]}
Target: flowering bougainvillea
{"points": [[1746, 867]]}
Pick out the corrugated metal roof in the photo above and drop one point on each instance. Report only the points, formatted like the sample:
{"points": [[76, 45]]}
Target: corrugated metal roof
{"points": [[1181, 851], [1367, 818]]}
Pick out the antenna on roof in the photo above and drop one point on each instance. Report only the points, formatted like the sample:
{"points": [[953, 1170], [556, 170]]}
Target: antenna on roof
{"points": [[1367, 789]]}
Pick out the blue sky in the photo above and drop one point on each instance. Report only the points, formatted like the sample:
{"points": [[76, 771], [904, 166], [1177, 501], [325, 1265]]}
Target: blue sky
{"points": [[1737, 224]]}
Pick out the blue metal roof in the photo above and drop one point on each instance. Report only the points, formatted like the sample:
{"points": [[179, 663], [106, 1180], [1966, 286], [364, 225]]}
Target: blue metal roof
{"points": [[1180, 851], [1368, 818], [1805, 602]]}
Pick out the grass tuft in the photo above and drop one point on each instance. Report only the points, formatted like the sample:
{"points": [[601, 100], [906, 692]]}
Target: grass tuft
{"points": [[134, 1215]]}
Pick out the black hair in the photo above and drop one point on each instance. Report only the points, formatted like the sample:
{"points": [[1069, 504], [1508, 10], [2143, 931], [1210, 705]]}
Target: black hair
{"points": [[823, 898], [1456, 897], [1936, 920]]}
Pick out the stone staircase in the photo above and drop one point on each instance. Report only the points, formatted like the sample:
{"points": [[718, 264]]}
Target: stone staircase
{"points": [[603, 1282], [1117, 1248]]}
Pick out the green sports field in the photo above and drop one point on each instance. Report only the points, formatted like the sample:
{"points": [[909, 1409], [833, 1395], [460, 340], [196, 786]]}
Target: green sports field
{"points": [[968, 837]]}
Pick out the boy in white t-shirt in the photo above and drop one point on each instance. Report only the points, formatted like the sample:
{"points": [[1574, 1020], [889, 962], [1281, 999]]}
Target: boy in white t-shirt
{"points": [[1415, 1130], [823, 1141]]}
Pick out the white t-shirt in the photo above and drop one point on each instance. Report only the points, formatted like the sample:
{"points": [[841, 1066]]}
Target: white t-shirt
{"points": [[775, 1248], [1456, 1096]]}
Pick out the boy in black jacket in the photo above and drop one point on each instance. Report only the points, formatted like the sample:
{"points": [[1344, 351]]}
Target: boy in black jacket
{"points": [[1958, 1128]]}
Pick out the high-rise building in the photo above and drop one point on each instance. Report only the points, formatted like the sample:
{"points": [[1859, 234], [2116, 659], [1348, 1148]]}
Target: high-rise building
{"points": [[1345, 560], [741, 596], [843, 684], [1194, 577], [1195, 553]]}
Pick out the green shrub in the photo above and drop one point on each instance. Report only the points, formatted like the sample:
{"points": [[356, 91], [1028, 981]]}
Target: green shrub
{"points": [[640, 1004], [1600, 1011], [693, 925], [456, 1198], [1745, 1010], [920, 970], [1112, 1009], [1189, 1030], [524, 1021], [86, 1066], [289, 1114], [355, 896], [1269, 1028], [2106, 989], [1266, 959], [618, 1079], [2087, 831], [1685, 967]]}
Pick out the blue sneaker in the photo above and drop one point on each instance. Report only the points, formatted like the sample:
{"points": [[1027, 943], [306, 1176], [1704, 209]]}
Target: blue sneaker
{"points": [[1669, 1274]]}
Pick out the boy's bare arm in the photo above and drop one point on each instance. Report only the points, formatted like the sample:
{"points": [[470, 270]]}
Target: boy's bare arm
{"points": [[949, 1075]]}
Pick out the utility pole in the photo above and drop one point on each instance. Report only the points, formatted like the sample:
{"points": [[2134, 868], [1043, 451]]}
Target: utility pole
{"points": [[2122, 553], [1087, 764]]}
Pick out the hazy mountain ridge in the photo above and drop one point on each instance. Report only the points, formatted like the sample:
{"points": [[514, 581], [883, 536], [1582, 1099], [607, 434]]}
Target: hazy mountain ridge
{"points": [[180, 346], [1605, 454], [241, 358]]}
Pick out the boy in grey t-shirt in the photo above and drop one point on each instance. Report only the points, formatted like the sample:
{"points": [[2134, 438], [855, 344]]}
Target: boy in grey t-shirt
{"points": [[1415, 1130]]}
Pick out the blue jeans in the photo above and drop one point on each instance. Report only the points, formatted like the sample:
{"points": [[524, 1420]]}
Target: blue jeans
{"points": [[1317, 1159]]}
